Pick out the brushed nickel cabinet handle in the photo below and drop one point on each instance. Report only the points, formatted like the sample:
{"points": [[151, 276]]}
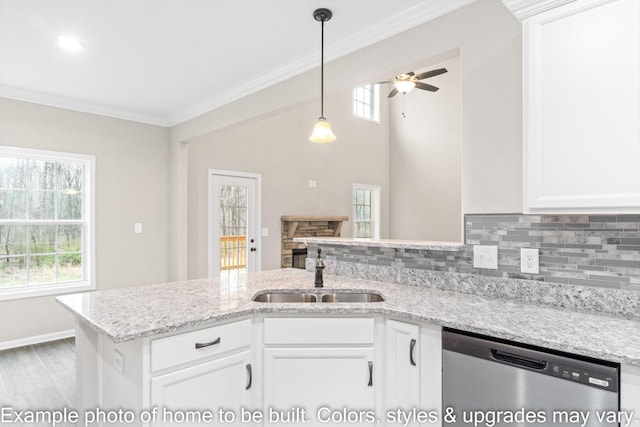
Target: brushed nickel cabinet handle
{"points": [[370, 374], [207, 344]]}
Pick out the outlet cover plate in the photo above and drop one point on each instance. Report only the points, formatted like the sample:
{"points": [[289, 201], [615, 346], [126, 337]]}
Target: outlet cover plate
{"points": [[485, 257], [529, 261]]}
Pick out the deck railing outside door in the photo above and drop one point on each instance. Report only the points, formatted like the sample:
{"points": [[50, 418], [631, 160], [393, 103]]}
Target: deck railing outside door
{"points": [[233, 252]]}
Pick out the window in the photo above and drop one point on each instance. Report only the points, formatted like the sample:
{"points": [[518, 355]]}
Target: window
{"points": [[366, 211], [366, 102], [46, 226]]}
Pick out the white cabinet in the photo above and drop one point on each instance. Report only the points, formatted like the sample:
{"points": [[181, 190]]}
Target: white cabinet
{"points": [[223, 383], [431, 371], [402, 368], [581, 74], [630, 390], [413, 371], [196, 374], [319, 371]]}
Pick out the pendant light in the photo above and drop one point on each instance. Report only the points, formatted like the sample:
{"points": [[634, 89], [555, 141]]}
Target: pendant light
{"points": [[322, 129]]}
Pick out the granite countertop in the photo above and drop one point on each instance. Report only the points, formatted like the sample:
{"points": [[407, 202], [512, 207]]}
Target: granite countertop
{"points": [[384, 243], [132, 313]]}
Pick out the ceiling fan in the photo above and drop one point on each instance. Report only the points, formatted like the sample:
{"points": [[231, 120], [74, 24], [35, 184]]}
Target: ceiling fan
{"points": [[405, 82]]}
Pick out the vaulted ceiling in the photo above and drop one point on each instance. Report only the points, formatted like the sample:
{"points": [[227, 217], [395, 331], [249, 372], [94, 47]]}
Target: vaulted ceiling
{"points": [[166, 61]]}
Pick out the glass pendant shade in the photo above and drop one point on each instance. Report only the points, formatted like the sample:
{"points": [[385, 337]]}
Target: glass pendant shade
{"points": [[404, 86], [322, 132]]}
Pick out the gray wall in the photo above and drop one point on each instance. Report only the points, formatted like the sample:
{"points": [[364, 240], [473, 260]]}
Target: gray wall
{"points": [[425, 176], [489, 40], [277, 148], [131, 186]]}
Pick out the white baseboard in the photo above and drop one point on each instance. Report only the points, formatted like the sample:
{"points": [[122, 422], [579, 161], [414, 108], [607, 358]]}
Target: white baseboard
{"points": [[37, 339]]}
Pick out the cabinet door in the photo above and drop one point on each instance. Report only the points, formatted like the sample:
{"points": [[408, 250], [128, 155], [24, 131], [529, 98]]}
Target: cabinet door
{"points": [[223, 383], [316, 384], [581, 107], [431, 371], [402, 366]]}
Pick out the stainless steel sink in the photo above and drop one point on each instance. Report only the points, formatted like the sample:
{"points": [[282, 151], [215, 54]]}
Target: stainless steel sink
{"points": [[335, 296], [352, 297], [284, 297]]}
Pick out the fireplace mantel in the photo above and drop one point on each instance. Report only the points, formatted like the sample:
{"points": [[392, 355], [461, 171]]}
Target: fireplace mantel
{"points": [[306, 226]]}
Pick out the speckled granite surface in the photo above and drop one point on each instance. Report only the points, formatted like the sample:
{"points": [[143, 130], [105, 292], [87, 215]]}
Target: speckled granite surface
{"points": [[384, 243], [132, 313], [615, 302]]}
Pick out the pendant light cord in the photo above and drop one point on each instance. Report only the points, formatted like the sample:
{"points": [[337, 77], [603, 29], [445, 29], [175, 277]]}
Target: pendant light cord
{"points": [[322, 69]]}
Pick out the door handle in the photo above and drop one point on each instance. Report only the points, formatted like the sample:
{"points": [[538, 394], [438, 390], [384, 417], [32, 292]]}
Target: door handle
{"points": [[370, 384], [412, 345], [207, 344], [250, 373]]}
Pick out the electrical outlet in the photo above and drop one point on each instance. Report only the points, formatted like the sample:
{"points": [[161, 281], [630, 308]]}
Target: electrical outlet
{"points": [[118, 361], [529, 261], [485, 257]]}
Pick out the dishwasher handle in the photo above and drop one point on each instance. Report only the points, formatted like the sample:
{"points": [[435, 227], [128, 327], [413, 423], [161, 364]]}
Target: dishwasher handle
{"points": [[518, 360]]}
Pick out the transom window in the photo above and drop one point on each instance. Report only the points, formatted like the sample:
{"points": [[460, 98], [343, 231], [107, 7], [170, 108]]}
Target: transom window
{"points": [[366, 211], [46, 206], [366, 102]]}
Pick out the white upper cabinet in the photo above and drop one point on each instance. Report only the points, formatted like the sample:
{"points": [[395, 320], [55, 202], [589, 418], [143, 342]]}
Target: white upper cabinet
{"points": [[581, 72]]}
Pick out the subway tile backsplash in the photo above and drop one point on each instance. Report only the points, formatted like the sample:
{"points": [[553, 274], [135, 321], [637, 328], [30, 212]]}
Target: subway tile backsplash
{"points": [[587, 250]]}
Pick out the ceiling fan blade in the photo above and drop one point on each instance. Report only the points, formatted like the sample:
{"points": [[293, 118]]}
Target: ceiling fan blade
{"points": [[410, 73], [426, 86], [431, 73], [393, 93], [386, 82]]}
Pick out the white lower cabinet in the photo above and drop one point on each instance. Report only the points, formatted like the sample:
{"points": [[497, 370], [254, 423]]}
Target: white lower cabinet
{"points": [[402, 370], [319, 371], [413, 372], [204, 389], [318, 384], [630, 391]]}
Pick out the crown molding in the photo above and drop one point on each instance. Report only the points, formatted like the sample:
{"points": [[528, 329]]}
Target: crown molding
{"points": [[50, 100], [422, 12], [396, 24], [523, 9]]}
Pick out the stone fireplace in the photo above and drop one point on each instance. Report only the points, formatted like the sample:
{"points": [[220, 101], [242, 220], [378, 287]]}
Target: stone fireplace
{"points": [[305, 226]]}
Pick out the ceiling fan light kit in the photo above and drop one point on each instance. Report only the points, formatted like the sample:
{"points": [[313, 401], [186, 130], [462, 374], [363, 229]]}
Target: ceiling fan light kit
{"points": [[406, 82], [322, 129]]}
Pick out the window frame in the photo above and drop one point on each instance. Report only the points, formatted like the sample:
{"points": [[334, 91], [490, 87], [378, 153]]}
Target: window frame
{"points": [[27, 290], [374, 104], [375, 209]]}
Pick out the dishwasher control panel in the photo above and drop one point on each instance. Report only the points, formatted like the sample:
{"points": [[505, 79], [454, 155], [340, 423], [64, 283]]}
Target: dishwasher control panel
{"points": [[587, 377]]}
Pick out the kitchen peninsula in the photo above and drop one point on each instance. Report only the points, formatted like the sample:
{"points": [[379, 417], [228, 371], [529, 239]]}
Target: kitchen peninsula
{"points": [[131, 342]]}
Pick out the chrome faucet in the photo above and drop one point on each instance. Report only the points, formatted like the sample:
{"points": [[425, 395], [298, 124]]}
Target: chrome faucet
{"points": [[319, 267]]}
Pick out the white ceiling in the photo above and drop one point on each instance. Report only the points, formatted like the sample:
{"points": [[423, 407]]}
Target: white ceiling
{"points": [[166, 61]]}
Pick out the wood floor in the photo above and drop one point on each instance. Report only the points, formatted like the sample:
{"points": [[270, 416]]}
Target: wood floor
{"points": [[38, 377]]}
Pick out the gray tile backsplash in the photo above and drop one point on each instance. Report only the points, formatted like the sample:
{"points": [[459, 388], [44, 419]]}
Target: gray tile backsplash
{"points": [[586, 250]]}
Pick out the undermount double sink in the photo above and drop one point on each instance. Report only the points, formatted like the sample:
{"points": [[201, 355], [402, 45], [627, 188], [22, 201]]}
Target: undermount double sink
{"points": [[328, 296]]}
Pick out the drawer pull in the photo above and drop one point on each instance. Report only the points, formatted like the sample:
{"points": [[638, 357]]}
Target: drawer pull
{"points": [[250, 373], [370, 374], [207, 344], [411, 347]]}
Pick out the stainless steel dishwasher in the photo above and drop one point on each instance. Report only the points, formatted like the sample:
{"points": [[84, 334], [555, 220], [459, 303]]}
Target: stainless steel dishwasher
{"points": [[491, 382]]}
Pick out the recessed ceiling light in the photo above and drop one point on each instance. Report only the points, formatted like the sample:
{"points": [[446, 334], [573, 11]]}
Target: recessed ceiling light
{"points": [[69, 43]]}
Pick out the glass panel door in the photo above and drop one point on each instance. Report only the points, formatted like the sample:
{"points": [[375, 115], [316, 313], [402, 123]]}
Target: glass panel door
{"points": [[233, 243]]}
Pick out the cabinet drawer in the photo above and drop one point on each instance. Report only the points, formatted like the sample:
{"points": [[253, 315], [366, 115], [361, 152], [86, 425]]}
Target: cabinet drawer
{"points": [[318, 331], [191, 346]]}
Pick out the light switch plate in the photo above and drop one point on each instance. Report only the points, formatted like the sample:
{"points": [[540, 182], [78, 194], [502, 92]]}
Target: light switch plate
{"points": [[529, 260], [485, 257]]}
